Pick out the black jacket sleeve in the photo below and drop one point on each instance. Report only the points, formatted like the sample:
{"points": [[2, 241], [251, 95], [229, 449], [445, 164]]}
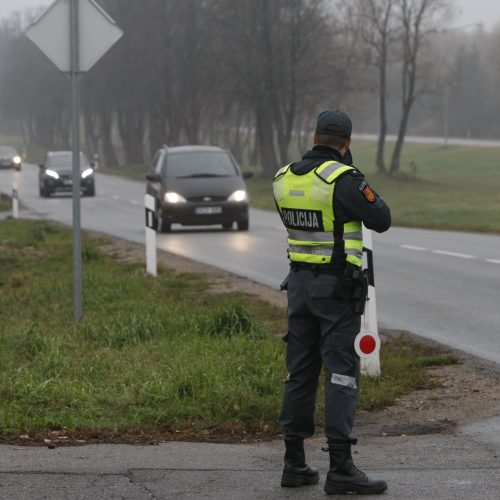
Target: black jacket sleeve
{"points": [[356, 200]]}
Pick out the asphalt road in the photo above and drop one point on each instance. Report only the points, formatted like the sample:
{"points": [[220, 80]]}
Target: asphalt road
{"points": [[436, 284], [444, 467]]}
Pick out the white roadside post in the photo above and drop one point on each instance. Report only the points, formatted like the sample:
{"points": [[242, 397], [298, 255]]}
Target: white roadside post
{"points": [[367, 342], [15, 202], [74, 35], [151, 225]]}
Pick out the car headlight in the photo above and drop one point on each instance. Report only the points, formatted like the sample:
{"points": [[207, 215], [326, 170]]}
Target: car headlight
{"points": [[171, 197], [240, 195], [52, 173], [87, 172], [16, 160]]}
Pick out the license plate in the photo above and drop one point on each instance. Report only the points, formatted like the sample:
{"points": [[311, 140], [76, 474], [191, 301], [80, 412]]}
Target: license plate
{"points": [[207, 210], [67, 183]]}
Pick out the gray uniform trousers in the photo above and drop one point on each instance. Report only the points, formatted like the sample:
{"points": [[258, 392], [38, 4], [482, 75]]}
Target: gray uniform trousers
{"points": [[321, 330]]}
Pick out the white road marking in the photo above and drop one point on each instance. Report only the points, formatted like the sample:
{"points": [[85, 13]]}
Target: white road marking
{"points": [[450, 254], [454, 254], [411, 247]]}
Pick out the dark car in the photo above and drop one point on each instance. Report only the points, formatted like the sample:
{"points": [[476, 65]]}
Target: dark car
{"points": [[9, 158], [198, 185], [56, 174]]}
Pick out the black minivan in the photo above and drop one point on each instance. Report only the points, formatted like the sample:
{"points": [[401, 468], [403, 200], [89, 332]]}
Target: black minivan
{"points": [[198, 185]]}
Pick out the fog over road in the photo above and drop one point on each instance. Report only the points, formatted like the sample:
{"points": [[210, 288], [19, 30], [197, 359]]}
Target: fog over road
{"points": [[436, 284]]}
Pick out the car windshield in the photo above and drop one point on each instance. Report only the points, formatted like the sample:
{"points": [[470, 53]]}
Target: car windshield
{"points": [[7, 151], [200, 164], [65, 161]]}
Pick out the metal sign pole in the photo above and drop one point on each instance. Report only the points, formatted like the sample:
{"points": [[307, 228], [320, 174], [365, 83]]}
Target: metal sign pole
{"points": [[75, 83], [74, 48]]}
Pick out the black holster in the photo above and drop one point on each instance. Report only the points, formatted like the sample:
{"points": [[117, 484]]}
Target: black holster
{"points": [[284, 284], [353, 286]]}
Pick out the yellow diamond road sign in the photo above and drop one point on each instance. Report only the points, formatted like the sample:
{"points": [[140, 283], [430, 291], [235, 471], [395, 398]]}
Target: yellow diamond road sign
{"points": [[51, 33]]}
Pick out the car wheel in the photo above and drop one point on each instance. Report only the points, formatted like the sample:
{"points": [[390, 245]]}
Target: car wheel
{"points": [[164, 226], [44, 192], [90, 191], [242, 225], [227, 225], [18, 169]]}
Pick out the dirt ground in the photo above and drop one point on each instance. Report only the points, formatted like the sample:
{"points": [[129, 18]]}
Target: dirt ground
{"points": [[464, 392]]}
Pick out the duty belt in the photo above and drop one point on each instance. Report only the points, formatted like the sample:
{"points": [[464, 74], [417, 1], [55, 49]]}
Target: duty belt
{"points": [[317, 268]]}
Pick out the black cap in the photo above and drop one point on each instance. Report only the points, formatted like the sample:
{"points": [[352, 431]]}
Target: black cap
{"points": [[335, 123]]}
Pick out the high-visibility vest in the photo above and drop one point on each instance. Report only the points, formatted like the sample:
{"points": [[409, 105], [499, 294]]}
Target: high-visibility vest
{"points": [[306, 206]]}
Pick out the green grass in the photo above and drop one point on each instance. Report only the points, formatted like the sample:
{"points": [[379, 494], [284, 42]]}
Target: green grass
{"points": [[5, 203], [454, 188], [158, 354], [136, 172], [402, 363]]}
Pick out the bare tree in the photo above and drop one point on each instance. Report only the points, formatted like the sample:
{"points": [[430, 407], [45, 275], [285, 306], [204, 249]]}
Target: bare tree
{"points": [[419, 19], [35, 94], [251, 75], [277, 67], [378, 32]]}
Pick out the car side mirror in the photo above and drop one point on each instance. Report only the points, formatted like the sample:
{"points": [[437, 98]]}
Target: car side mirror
{"points": [[92, 164], [247, 175], [153, 177], [41, 166]]}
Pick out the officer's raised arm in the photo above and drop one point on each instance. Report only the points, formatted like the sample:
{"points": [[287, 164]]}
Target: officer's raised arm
{"points": [[355, 199]]}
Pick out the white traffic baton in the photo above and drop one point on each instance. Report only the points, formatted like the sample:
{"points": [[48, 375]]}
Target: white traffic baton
{"points": [[367, 342], [151, 225]]}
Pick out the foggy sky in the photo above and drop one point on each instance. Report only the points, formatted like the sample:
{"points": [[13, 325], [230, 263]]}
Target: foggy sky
{"points": [[471, 11]]}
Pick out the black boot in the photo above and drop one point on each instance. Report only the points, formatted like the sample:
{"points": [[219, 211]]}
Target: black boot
{"points": [[296, 472], [344, 477]]}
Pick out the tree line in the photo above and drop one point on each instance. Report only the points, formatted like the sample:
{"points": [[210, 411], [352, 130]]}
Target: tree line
{"points": [[251, 75]]}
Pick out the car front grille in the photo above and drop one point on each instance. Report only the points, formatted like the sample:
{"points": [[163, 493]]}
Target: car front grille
{"points": [[206, 199]]}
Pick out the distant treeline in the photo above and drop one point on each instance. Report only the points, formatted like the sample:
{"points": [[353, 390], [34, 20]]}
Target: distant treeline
{"points": [[252, 75]]}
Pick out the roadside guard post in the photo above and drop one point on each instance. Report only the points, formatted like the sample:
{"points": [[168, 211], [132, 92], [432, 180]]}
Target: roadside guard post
{"points": [[151, 225], [15, 202], [367, 342]]}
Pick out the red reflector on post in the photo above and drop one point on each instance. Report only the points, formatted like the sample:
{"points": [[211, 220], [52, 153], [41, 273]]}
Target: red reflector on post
{"points": [[366, 344]]}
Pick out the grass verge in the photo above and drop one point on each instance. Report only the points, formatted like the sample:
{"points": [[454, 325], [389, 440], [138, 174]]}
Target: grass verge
{"points": [[164, 357], [5, 203], [136, 172], [453, 188]]}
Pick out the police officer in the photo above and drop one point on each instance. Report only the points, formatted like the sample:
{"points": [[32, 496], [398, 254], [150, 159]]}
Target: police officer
{"points": [[323, 201]]}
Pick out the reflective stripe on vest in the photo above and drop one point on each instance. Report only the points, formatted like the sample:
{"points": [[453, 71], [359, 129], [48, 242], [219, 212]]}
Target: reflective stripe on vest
{"points": [[294, 234], [330, 170], [306, 207]]}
